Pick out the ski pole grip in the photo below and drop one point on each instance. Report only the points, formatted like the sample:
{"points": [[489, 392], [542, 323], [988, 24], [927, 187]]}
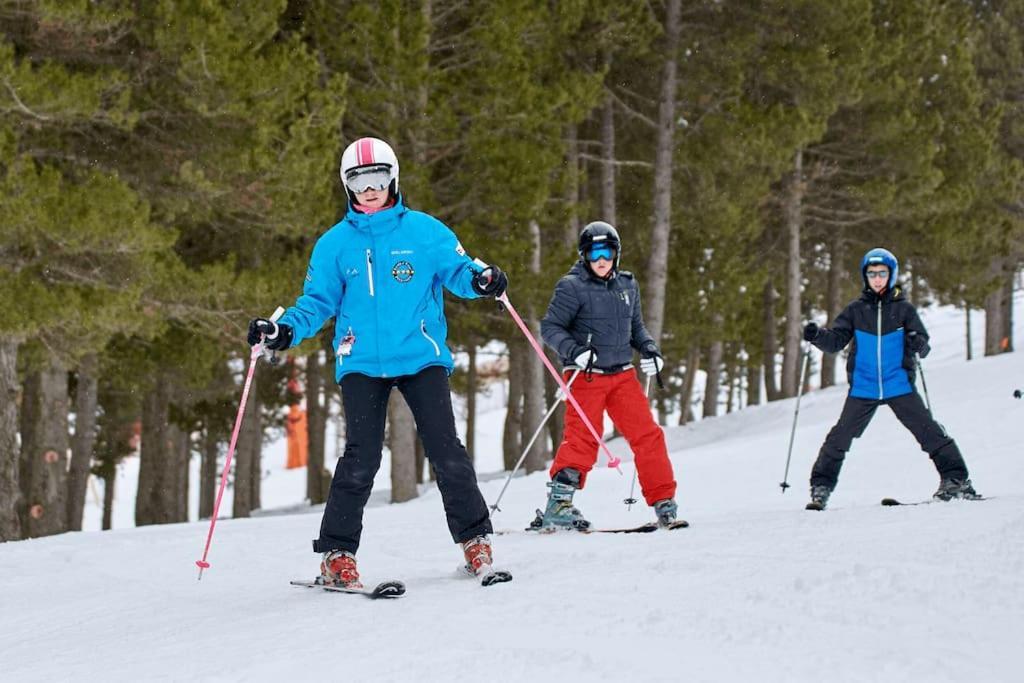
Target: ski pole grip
{"points": [[278, 312]]}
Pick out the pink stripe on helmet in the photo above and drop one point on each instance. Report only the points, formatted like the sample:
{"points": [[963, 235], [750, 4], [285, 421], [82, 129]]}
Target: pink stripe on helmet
{"points": [[364, 151]]}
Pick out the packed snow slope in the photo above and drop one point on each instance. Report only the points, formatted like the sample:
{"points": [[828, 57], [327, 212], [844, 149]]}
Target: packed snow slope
{"points": [[757, 588]]}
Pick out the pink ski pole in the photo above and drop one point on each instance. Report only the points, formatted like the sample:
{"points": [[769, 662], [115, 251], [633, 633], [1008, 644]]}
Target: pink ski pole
{"points": [[612, 460], [253, 357]]}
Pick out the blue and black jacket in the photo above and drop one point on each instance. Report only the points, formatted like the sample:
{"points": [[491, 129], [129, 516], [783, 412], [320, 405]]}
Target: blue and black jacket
{"points": [[880, 365]]}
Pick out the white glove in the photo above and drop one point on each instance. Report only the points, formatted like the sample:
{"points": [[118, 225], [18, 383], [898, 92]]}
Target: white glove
{"points": [[652, 365], [584, 358]]}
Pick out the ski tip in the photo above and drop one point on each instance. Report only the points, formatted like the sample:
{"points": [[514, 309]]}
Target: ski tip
{"points": [[496, 577], [889, 502], [388, 589], [814, 506]]}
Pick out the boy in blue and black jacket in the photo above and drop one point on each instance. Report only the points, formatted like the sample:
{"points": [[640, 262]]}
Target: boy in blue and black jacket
{"points": [[884, 333]]}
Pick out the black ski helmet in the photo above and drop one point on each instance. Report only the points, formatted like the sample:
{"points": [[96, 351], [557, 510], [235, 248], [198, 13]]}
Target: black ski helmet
{"points": [[599, 232]]}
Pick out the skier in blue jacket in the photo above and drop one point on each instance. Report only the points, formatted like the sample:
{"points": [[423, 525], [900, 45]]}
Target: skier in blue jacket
{"points": [[380, 273], [884, 333]]}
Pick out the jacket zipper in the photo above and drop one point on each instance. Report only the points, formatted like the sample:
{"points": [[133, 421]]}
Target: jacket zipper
{"points": [[423, 331], [880, 392], [369, 268]]}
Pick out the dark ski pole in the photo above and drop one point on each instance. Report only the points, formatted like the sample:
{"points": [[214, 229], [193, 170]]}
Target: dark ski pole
{"points": [[631, 501], [920, 373], [796, 414], [529, 445]]}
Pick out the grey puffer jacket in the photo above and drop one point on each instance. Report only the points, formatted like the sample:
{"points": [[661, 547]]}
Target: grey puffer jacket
{"points": [[608, 310]]}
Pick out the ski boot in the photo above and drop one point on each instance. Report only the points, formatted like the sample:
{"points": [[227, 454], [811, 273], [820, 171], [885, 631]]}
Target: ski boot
{"points": [[338, 568], [819, 497], [560, 512], [950, 489], [480, 562], [666, 510]]}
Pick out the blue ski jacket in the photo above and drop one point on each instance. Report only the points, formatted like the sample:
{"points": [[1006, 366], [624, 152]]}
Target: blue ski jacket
{"points": [[880, 364], [381, 277]]}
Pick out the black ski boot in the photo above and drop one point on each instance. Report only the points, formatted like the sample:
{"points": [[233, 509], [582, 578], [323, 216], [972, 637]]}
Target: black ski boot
{"points": [[951, 489], [819, 497]]}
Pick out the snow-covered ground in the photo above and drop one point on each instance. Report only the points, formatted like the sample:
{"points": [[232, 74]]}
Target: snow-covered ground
{"points": [[757, 588]]}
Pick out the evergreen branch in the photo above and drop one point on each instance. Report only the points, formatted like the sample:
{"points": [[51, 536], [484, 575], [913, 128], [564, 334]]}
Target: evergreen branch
{"points": [[614, 162], [22, 106], [643, 118]]}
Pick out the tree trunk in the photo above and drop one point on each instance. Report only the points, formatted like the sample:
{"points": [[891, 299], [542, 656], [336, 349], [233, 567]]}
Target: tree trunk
{"points": [[608, 167], [1006, 343], [44, 451], [572, 186], [994, 312], [316, 422], [731, 374], [713, 379], [471, 389], [402, 442], [85, 439], [967, 323], [834, 295], [246, 462], [657, 263], [792, 209], [770, 341], [511, 442], [154, 456], [753, 382], [10, 489], [181, 445], [689, 380], [208, 473], [109, 482], [533, 387]]}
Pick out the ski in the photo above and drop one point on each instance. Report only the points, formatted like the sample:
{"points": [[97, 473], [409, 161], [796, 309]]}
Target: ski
{"points": [[642, 529], [486, 578], [647, 528], [892, 502], [819, 506], [385, 589]]}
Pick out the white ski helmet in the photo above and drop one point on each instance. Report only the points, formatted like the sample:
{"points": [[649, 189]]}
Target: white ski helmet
{"points": [[369, 163]]}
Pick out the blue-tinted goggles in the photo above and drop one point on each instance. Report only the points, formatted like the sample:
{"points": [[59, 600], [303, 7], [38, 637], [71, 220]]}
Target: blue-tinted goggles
{"points": [[600, 251]]}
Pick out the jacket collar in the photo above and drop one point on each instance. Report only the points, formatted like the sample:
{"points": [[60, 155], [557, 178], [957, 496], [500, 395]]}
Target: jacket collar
{"points": [[379, 223], [888, 296], [580, 270]]}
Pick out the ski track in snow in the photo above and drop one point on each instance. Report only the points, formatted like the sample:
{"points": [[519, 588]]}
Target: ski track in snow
{"points": [[757, 589]]}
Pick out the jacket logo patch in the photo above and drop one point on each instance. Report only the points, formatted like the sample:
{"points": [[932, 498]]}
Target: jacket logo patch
{"points": [[351, 272], [403, 271], [459, 250]]}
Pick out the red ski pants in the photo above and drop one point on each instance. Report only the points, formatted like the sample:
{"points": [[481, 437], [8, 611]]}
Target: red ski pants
{"points": [[622, 396]]}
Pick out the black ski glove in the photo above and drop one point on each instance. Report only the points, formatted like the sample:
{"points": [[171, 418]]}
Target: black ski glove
{"points": [[277, 337], [650, 350], [491, 281], [918, 344], [811, 331]]}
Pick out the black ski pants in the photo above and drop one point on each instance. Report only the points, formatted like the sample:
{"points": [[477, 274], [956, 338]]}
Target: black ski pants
{"points": [[366, 405], [909, 410]]}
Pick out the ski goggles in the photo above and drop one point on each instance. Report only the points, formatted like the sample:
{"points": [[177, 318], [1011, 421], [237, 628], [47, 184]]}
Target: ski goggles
{"points": [[876, 274], [600, 251], [376, 177]]}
